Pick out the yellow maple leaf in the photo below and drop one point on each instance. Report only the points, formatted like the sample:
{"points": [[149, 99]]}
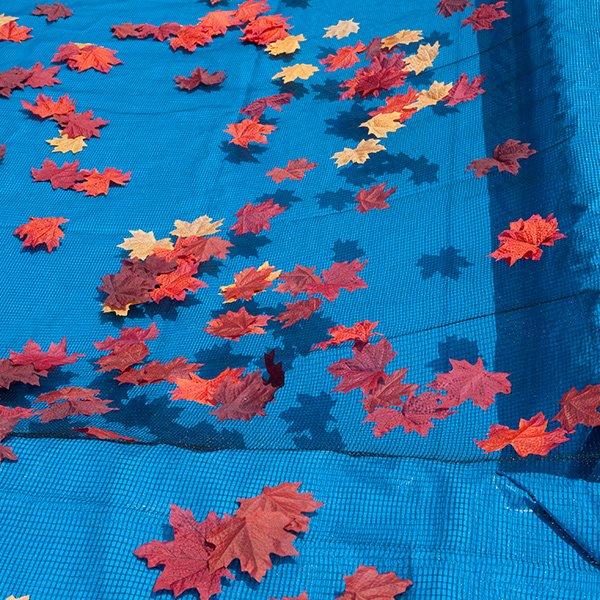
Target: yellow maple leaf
{"points": [[142, 244], [297, 71], [19, 598], [288, 45], [382, 124], [341, 29], [66, 144], [358, 155], [437, 91], [4, 19], [405, 36], [121, 312], [202, 226], [423, 59]]}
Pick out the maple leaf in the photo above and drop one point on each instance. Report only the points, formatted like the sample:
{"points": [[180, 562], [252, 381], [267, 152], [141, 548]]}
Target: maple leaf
{"points": [[64, 177], [127, 287], [374, 197], [250, 9], [249, 130], [201, 226], [177, 283], [82, 57], [96, 183], [44, 361], [194, 388], [340, 276], [138, 31], [10, 373], [266, 29], [389, 391], [302, 596], [217, 22], [383, 123], [343, 58], [366, 583], [41, 231], [579, 408], [423, 59], [52, 12], [104, 434], [466, 381], [286, 45], [242, 399], [257, 108], [199, 77], [299, 281], [524, 238], [384, 73], [484, 16], [9, 418], [2, 151], [189, 37], [505, 158], [249, 282], [232, 325], [185, 558], [80, 124], [13, 79], [298, 311], [6, 19], [38, 76], [341, 29], [45, 107], [142, 244], [156, 371], [365, 370], [127, 350], [262, 526], [401, 38], [297, 71], [68, 401], [295, 169], [398, 104], [65, 144], [358, 155], [198, 249], [360, 333], [447, 8], [436, 92], [13, 32], [464, 91], [530, 438], [254, 218]]}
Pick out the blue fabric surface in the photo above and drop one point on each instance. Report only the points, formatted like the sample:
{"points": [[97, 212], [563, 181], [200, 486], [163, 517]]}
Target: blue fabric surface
{"points": [[435, 509]]}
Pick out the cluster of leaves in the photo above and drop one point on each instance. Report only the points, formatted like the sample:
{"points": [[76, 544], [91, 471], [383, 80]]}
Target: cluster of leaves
{"points": [[200, 553], [74, 128], [482, 17], [69, 177], [41, 231], [52, 12], [82, 57], [158, 269], [18, 78], [11, 31]]}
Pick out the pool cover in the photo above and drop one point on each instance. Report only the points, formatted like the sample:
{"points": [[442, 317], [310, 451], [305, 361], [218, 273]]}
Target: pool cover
{"points": [[336, 258]]}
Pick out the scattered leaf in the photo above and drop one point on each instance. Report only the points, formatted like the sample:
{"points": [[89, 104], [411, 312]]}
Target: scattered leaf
{"points": [[358, 155], [295, 169], [41, 231], [341, 29], [297, 71]]}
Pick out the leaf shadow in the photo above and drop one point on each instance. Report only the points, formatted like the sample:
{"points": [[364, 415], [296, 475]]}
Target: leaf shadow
{"points": [[237, 155], [346, 124], [453, 347], [347, 250], [448, 263], [338, 201], [328, 90], [246, 245]]}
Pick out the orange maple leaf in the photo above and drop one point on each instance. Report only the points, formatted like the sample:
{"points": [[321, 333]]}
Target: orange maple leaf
{"points": [[249, 130], [96, 183], [41, 231]]}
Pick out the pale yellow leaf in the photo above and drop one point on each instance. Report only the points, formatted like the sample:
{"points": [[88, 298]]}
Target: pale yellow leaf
{"points": [[142, 244], [382, 124], [66, 144], [423, 59], [405, 36], [341, 29], [4, 19], [288, 45], [202, 226], [297, 71], [358, 155], [121, 312], [437, 91], [19, 598]]}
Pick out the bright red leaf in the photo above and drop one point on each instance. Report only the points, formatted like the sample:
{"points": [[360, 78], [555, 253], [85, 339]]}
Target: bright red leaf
{"points": [[250, 9], [43, 361], [299, 281], [64, 177], [368, 584], [398, 104], [52, 12], [247, 131], [87, 56], [373, 198], [68, 401], [249, 282], [45, 107], [298, 311], [96, 183], [196, 389], [156, 371], [13, 32], [340, 276], [41, 231], [242, 399], [199, 77], [360, 333], [234, 324], [277, 101], [484, 16], [343, 58], [390, 390], [447, 8], [254, 218], [176, 284], [464, 91], [295, 169], [580, 408], [266, 29]]}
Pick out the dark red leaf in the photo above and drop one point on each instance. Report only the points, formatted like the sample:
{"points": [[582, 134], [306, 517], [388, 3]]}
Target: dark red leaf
{"points": [[64, 177], [53, 12], [373, 198], [68, 401], [464, 91], [484, 15], [44, 361], [255, 109], [156, 371], [447, 8], [580, 408], [199, 77], [254, 218]]}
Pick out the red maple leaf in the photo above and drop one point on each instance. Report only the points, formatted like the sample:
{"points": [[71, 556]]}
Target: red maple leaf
{"points": [[580, 408], [385, 72], [164, 30], [250, 9], [484, 16], [242, 399], [414, 414], [234, 324], [96, 183], [249, 282], [530, 438], [340, 276], [80, 124], [64, 177], [199, 77], [9, 418], [447, 8], [263, 525], [68, 401], [13, 32], [399, 103], [343, 58], [299, 281], [128, 287], [196, 389], [177, 283], [11, 373], [89, 56], [2, 151], [255, 109], [38, 76], [52, 12], [139, 31], [266, 29], [505, 158], [247, 131], [468, 381], [365, 370], [44, 361], [41, 231], [464, 91], [254, 218], [185, 558], [295, 169], [189, 37], [373, 198], [366, 583], [127, 350], [360, 333], [197, 249], [216, 22], [298, 311], [302, 596], [104, 434], [390, 391], [156, 371], [45, 107], [13, 79], [524, 238]]}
